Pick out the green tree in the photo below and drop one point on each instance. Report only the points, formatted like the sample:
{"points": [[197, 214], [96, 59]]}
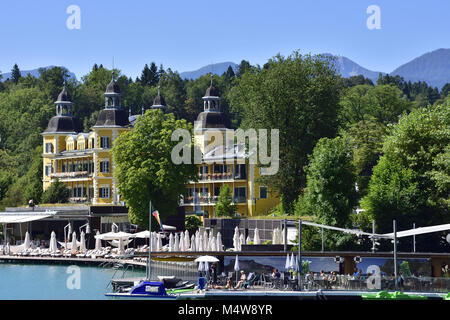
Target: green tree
{"points": [[408, 183], [56, 193], [52, 80], [150, 76], [192, 223], [33, 178], [225, 206], [298, 95], [243, 67], [15, 74], [331, 182], [144, 167], [383, 103], [366, 139]]}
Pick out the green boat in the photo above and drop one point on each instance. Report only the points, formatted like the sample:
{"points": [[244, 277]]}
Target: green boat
{"points": [[447, 297], [397, 295]]}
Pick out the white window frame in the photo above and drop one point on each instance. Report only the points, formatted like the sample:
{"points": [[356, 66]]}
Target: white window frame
{"points": [[48, 146], [102, 142], [48, 169], [102, 165], [104, 189]]}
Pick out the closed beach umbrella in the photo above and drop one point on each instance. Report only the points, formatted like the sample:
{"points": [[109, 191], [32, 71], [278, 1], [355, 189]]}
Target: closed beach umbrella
{"points": [[52, 243], [248, 240], [193, 247], [82, 242], [182, 248], [241, 241], [236, 239], [158, 242], [74, 243], [187, 240], [274, 236], [297, 266], [292, 262], [55, 245], [27, 242], [200, 243], [288, 262], [236, 266], [98, 242], [219, 242], [171, 242], [205, 241], [256, 239], [197, 239], [176, 246]]}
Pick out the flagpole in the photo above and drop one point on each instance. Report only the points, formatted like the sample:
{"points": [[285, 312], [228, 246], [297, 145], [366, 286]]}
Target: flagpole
{"points": [[149, 241]]}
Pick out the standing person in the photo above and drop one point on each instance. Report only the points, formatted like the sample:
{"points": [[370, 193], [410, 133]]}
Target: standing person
{"points": [[400, 280], [213, 271]]}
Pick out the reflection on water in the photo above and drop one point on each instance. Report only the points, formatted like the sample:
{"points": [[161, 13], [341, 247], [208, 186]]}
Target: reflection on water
{"points": [[49, 282]]}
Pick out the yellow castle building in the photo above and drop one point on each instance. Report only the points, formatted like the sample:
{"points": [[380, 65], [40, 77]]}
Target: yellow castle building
{"points": [[83, 161]]}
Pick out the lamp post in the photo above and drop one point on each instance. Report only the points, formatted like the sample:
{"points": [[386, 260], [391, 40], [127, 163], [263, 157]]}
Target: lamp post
{"points": [[395, 253], [148, 271], [69, 231], [300, 254]]}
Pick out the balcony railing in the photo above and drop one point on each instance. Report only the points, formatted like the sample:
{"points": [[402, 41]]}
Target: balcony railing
{"points": [[78, 199], [240, 199], [219, 176], [71, 175], [201, 200]]}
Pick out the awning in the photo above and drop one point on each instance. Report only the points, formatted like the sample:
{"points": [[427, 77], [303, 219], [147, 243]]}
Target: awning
{"points": [[26, 216]]}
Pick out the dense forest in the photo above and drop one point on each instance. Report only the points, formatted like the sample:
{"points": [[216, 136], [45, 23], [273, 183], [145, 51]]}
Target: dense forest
{"points": [[391, 138]]}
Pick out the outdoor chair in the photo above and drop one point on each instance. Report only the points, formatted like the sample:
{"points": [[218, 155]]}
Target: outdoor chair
{"points": [[251, 279], [264, 281]]}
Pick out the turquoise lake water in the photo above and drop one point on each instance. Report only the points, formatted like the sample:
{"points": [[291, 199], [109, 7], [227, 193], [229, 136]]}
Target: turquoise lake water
{"points": [[54, 282]]}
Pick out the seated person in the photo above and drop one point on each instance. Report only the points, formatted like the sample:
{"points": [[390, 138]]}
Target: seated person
{"points": [[276, 274], [332, 281], [229, 283], [242, 280], [356, 273], [323, 276]]}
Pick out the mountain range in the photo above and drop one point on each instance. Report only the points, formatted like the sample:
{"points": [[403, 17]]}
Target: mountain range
{"points": [[432, 67]]}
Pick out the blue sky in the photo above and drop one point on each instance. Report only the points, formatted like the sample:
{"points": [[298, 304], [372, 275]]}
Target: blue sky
{"points": [[186, 35]]}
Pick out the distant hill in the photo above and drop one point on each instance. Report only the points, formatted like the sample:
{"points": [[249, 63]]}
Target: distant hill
{"points": [[348, 68], [35, 73], [345, 66], [217, 68], [432, 67]]}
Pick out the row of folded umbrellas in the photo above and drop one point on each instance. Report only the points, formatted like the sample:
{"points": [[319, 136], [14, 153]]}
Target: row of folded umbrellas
{"points": [[200, 241]]}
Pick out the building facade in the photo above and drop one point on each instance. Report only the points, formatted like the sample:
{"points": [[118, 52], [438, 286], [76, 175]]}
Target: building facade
{"points": [[224, 162], [83, 160]]}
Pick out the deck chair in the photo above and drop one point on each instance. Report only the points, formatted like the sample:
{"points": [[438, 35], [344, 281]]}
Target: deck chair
{"points": [[250, 280]]}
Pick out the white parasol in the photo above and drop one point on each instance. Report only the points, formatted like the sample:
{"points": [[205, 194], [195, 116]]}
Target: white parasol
{"points": [[256, 239], [82, 242], [74, 248]]}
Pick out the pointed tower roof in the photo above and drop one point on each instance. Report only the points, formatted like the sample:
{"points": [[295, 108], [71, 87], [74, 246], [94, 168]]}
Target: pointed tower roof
{"points": [[63, 96], [159, 102], [112, 87]]}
